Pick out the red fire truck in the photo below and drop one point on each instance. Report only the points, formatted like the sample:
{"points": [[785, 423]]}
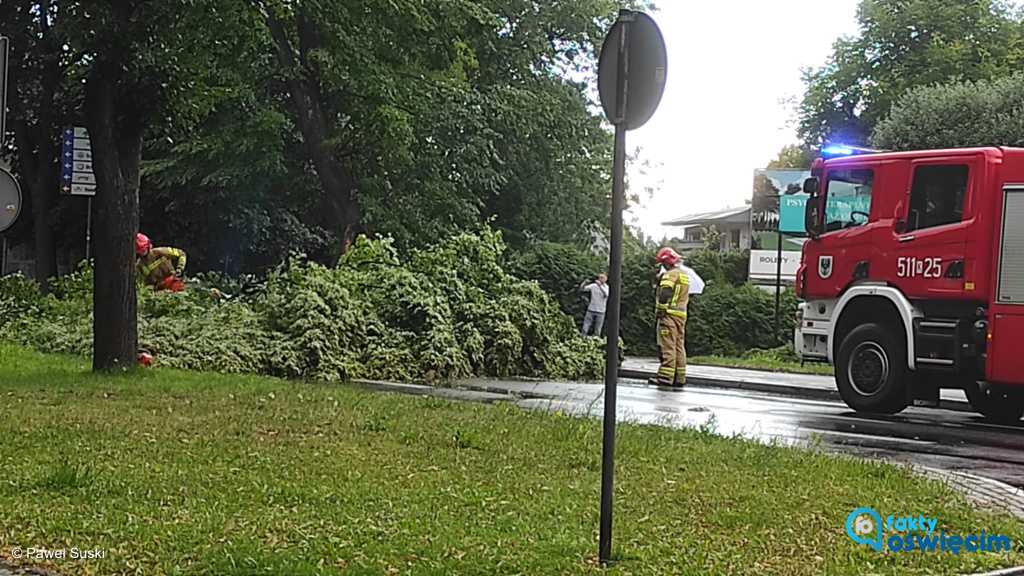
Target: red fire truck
{"points": [[913, 277]]}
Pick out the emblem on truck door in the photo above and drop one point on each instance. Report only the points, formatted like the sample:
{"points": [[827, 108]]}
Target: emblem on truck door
{"points": [[825, 267]]}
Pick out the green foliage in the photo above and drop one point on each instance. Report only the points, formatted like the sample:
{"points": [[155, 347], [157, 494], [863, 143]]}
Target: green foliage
{"points": [[901, 45], [982, 113], [729, 320], [559, 269], [19, 297], [793, 157], [639, 279], [444, 313], [720, 267]]}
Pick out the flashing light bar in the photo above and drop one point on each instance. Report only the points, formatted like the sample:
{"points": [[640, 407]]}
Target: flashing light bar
{"points": [[838, 150]]}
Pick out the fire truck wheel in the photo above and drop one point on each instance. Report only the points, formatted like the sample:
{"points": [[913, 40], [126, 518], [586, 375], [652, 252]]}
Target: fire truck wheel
{"points": [[995, 403], [871, 370]]}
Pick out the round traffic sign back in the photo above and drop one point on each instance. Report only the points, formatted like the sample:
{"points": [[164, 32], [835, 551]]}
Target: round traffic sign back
{"points": [[10, 200], [646, 65]]}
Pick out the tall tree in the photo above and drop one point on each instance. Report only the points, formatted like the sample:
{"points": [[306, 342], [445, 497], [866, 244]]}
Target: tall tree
{"points": [[903, 44], [142, 56], [38, 101], [963, 114], [420, 118]]}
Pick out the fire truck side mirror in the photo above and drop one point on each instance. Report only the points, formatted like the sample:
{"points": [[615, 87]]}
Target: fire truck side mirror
{"points": [[812, 213], [899, 224], [811, 186]]}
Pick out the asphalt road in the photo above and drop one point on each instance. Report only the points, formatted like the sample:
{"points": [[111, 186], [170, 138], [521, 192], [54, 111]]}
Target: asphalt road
{"points": [[935, 438]]}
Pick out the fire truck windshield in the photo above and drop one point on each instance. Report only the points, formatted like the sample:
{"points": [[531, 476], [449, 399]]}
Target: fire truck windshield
{"points": [[848, 198]]}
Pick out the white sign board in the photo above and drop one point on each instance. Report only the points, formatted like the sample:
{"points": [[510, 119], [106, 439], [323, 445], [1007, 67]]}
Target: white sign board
{"points": [[76, 176], [763, 265]]}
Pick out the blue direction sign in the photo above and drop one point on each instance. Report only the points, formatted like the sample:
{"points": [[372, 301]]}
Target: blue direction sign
{"points": [[76, 175]]}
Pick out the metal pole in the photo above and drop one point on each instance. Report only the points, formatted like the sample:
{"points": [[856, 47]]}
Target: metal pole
{"points": [[778, 283], [3, 259], [611, 367], [88, 228]]}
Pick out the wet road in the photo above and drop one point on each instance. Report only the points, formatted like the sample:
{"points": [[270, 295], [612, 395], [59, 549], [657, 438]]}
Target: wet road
{"points": [[936, 438]]}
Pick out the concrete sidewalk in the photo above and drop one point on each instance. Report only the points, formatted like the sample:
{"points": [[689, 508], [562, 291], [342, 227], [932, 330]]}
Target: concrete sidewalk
{"points": [[799, 385]]}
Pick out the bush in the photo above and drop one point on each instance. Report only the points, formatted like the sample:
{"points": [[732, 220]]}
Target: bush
{"points": [[728, 320], [446, 313], [18, 296], [559, 269]]}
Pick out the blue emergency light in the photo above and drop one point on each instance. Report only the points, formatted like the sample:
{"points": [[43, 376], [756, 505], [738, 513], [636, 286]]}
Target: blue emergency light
{"points": [[839, 150]]}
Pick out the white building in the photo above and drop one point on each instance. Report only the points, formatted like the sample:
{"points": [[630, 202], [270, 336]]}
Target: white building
{"points": [[732, 223]]}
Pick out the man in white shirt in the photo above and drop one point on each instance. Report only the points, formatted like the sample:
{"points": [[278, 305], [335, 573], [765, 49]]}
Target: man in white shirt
{"points": [[594, 318]]}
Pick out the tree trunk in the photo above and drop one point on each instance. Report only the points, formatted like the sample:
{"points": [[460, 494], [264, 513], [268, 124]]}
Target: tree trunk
{"points": [[302, 77], [46, 251], [117, 153], [38, 165], [37, 138]]}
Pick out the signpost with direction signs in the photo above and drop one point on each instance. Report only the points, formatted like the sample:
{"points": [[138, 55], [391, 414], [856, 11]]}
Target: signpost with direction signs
{"points": [[76, 175]]}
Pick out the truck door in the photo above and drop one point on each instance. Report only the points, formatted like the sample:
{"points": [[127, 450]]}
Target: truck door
{"points": [[1005, 361], [848, 226], [931, 237]]}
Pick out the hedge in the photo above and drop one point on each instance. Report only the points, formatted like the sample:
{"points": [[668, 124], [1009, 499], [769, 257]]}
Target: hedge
{"points": [[728, 319], [445, 313]]}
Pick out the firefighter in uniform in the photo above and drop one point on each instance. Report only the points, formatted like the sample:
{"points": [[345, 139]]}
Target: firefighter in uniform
{"points": [[160, 268], [672, 297]]}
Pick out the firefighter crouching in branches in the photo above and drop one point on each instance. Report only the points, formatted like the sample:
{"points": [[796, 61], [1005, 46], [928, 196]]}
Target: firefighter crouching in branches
{"points": [[161, 268], [671, 299]]}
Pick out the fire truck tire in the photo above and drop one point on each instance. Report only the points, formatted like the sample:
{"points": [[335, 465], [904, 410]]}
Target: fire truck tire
{"points": [[995, 403], [871, 369]]}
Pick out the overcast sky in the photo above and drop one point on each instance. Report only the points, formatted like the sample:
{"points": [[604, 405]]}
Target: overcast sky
{"points": [[731, 66]]}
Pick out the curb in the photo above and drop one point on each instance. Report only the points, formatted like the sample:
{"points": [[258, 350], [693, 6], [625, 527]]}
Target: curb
{"points": [[470, 394], [777, 389], [983, 491], [1018, 571]]}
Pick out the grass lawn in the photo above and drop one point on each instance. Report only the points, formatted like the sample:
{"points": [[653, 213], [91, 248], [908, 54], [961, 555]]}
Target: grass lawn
{"points": [[767, 364], [184, 473]]}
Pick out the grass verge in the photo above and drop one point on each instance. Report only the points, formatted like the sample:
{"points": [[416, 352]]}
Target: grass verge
{"points": [[766, 364], [173, 472]]}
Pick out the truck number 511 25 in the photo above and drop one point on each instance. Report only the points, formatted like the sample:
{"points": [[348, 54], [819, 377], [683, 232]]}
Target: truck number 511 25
{"points": [[909, 267]]}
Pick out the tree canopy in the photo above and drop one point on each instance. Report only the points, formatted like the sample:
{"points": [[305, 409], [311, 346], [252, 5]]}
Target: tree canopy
{"points": [[275, 126], [982, 113], [903, 44]]}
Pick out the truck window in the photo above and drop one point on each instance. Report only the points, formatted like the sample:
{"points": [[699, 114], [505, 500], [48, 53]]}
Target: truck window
{"points": [[937, 196], [848, 198]]}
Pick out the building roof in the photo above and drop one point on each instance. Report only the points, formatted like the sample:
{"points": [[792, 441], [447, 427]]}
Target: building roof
{"points": [[730, 215]]}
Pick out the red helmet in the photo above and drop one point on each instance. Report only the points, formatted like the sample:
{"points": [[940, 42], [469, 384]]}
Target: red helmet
{"points": [[142, 244], [667, 256]]}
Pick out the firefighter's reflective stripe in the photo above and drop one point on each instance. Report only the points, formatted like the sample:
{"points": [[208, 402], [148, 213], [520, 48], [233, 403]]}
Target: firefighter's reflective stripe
{"points": [[666, 375], [673, 292], [157, 265], [671, 338], [147, 269]]}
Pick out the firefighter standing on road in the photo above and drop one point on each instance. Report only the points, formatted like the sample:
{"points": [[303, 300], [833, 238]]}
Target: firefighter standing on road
{"points": [[161, 268], [672, 297]]}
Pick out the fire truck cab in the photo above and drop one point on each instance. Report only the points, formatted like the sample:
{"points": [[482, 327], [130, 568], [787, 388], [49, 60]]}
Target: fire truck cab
{"points": [[913, 277]]}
